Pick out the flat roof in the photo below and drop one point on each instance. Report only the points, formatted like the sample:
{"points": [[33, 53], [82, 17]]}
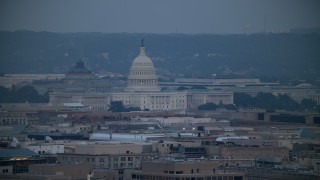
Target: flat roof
{"points": [[16, 152]]}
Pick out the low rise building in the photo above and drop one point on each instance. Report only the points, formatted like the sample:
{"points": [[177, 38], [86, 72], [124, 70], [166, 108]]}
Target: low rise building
{"points": [[46, 148], [107, 155], [105, 161], [9, 80], [13, 161], [13, 118], [74, 171], [239, 152], [142, 91], [180, 169]]}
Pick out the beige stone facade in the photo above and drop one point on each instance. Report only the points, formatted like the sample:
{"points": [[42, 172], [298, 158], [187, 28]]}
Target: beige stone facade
{"points": [[8, 80], [74, 171], [143, 91], [104, 161], [113, 148], [181, 170], [254, 152]]}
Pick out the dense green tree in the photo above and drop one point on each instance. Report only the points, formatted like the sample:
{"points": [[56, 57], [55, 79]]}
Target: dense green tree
{"points": [[198, 87], [182, 88], [286, 102], [133, 109], [26, 94], [5, 95], [117, 106], [257, 54], [230, 107], [308, 105], [269, 101], [22, 95], [220, 105], [242, 99], [265, 100], [208, 106]]}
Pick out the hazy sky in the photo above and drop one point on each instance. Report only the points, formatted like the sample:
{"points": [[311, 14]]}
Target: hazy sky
{"points": [[161, 16]]}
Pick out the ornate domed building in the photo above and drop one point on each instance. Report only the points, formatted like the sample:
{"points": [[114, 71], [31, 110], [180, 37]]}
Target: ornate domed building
{"points": [[79, 73], [142, 91], [142, 76]]}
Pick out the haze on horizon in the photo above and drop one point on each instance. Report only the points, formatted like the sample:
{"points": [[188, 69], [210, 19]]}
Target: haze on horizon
{"points": [[165, 16]]}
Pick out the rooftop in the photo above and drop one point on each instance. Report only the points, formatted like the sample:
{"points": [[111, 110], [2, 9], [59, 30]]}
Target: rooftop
{"points": [[80, 68], [5, 153]]}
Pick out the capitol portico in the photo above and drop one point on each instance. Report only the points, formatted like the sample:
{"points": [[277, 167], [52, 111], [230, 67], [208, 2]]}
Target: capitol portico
{"points": [[143, 91]]}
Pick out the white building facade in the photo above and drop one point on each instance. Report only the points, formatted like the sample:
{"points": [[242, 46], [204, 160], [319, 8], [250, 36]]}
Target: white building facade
{"points": [[46, 148], [143, 91], [8, 80]]}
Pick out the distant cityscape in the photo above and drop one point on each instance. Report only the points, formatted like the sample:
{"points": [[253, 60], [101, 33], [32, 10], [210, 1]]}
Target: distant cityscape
{"points": [[86, 125]]}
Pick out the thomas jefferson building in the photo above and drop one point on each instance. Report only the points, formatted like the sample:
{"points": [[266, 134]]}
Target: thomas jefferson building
{"points": [[144, 92]]}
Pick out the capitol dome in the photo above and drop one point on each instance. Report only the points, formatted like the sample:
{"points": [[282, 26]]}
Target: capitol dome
{"points": [[142, 61], [142, 76]]}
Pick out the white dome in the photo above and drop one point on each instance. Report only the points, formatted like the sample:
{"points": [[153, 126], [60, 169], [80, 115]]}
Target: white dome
{"points": [[142, 76], [142, 61]]}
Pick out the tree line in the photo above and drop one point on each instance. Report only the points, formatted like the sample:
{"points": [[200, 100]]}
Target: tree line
{"points": [[117, 106], [270, 101], [241, 100], [25, 94], [204, 54], [264, 101]]}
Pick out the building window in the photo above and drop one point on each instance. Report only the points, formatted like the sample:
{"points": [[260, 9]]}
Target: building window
{"points": [[20, 169]]}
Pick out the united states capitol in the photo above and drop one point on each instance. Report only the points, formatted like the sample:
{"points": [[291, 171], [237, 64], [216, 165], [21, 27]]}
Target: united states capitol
{"points": [[142, 90]]}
